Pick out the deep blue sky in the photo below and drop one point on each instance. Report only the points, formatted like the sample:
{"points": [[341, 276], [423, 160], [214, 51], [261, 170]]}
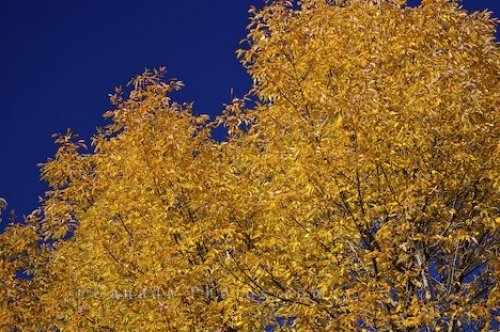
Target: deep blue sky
{"points": [[59, 59]]}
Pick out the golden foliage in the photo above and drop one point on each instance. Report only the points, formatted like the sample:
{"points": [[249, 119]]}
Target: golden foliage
{"points": [[361, 191]]}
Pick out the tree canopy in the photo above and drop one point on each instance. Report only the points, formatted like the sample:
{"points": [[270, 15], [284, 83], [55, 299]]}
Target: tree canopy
{"points": [[358, 188]]}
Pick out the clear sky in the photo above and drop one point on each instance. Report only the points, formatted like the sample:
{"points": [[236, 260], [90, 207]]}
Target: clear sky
{"points": [[59, 60]]}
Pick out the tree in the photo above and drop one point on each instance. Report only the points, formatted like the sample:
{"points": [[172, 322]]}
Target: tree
{"points": [[360, 191]]}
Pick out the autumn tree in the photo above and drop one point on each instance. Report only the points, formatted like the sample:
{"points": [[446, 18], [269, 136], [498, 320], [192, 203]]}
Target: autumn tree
{"points": [[360, 191]]}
